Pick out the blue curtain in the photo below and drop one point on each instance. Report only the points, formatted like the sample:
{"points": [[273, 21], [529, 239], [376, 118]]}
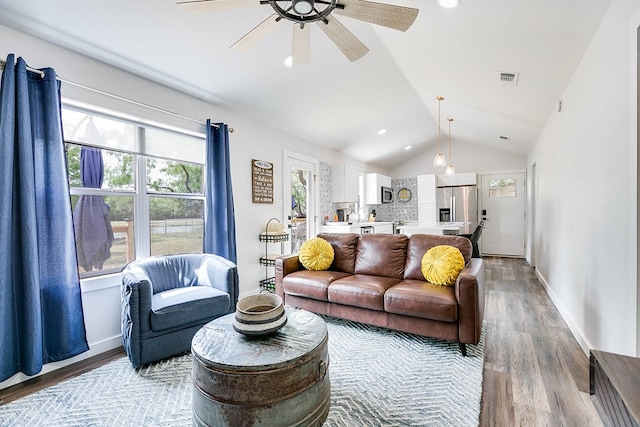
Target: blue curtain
{"points": [[219, 217], [41, 318]]}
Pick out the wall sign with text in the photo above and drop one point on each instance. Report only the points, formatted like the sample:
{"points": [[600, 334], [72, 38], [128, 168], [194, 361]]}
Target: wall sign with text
{"points": [[262, 181]]}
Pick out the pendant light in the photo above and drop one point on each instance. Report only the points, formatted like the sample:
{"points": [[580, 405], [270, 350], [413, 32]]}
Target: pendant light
{"points": [[450, 170], [439, 160]]}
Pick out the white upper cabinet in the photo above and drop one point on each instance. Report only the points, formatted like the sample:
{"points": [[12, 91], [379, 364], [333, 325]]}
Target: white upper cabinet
{"points": [[345, 183], [426, 188], [373, 182], [469, 178], [427, 200]]}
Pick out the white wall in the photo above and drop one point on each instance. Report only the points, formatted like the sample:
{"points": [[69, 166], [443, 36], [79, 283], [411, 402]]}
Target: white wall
{"points": [[585, 227], [466, 158], [250, 140]]}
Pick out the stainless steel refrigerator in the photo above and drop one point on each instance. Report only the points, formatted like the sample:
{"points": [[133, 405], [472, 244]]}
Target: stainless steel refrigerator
{"points": [[458, 204]]}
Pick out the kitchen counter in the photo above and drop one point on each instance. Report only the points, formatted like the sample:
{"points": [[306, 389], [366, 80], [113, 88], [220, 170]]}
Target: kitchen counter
{"points": [[451, 226], [437, 228], [345, 227]]}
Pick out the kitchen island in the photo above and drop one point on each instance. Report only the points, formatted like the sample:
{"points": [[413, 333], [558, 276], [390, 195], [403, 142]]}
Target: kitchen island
{"points": [[437, 228], [358, 227]]}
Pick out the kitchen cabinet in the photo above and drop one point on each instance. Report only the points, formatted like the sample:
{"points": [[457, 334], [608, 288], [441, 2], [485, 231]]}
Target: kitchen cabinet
{"points": [[345, 183], [446, 180], [427, 200], [427, 214], [469, 178], [373, 182], [426, 188]]}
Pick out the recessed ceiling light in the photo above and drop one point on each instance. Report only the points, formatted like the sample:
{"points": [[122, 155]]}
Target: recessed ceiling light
{"points": [[288, 61], [448, 3], [382, 131], [408, 147]]}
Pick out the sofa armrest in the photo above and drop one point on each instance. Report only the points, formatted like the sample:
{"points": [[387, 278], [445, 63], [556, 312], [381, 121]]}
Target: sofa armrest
{"points": [[469, 289], [221, 274], [136, 293], [285, 264]]}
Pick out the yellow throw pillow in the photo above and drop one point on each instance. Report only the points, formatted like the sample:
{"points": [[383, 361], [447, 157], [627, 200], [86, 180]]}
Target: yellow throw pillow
{"points": [[442, 264], [316, 254]]}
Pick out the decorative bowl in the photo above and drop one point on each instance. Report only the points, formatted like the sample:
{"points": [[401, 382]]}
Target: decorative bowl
{"points": [[260, 314]]}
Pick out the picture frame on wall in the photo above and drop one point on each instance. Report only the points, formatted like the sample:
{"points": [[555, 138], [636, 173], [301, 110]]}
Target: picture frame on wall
{"points": [[261, 181]]}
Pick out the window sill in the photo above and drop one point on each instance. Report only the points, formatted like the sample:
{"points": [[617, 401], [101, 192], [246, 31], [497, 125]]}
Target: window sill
{"points": [[92, 284]]}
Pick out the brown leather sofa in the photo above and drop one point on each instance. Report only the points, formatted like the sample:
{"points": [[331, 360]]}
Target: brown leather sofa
{"points": [[376, 279]]}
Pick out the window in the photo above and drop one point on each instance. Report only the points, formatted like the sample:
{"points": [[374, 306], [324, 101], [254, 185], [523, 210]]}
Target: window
{"points": [[136, 190], [502, 188]]}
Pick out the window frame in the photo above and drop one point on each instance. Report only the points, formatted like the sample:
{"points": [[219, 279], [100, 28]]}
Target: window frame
{"points": [[140, 193]]}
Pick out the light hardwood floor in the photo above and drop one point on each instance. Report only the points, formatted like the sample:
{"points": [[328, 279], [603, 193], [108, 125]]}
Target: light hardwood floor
{"points": [[535, 373]]}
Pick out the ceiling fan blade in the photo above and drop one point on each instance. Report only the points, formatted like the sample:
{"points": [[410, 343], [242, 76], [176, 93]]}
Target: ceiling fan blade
{"points": [[387, 15], [301, 52], [254, 36], [349, 44], [205, 6]]}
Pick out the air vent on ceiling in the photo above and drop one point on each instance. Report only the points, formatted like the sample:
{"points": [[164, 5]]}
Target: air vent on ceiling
{"points": [[505, 138], [507, 78]]}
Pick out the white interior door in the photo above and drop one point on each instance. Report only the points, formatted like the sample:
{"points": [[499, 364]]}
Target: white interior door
{"points": [[299, 208], [503, 203]]}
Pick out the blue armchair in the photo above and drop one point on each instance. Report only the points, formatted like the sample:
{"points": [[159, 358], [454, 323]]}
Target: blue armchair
{"points": [[166, 299]]}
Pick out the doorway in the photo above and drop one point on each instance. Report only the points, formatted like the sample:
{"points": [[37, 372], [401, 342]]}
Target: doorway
{"points": [[299, 207], [503, 203]]}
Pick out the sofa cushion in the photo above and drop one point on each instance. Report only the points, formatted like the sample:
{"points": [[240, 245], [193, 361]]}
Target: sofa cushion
{"points": [[382, 255], [421, 299], [419, 244], [310, 284], [191, 304], [316, 254], [361, 290], [344, 247], [442, 264]]}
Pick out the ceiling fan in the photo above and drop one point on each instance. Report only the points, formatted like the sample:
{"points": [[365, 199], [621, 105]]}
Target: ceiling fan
{"points": [[303, 12]]}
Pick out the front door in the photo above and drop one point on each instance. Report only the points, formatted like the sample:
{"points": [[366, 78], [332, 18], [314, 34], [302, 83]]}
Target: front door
{"points": [[503, 202]]}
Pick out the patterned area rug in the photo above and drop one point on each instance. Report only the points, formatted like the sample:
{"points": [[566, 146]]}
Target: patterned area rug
{"points": [[378, 378]]}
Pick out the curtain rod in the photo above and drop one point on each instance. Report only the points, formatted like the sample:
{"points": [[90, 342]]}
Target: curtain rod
{"points": [[33, 70], [41, 73]]}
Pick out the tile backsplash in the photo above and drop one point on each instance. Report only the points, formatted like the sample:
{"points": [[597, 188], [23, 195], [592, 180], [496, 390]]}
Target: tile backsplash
{"points": [[395, 211], [327, 207]]}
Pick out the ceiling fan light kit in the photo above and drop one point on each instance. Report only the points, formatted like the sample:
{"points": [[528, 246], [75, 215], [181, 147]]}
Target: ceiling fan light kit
{"points": [[302, 7], [448, 4], [302, 12]]}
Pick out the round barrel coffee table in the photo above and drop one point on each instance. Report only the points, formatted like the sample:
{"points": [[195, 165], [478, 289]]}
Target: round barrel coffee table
{"points": [[277, 380]]}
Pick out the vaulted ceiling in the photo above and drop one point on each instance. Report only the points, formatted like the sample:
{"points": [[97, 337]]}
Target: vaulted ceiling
{"points": [[455, 53]]}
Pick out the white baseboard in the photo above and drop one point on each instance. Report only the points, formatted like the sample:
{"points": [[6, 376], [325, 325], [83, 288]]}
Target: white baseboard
{"points": [[573, 327]]}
